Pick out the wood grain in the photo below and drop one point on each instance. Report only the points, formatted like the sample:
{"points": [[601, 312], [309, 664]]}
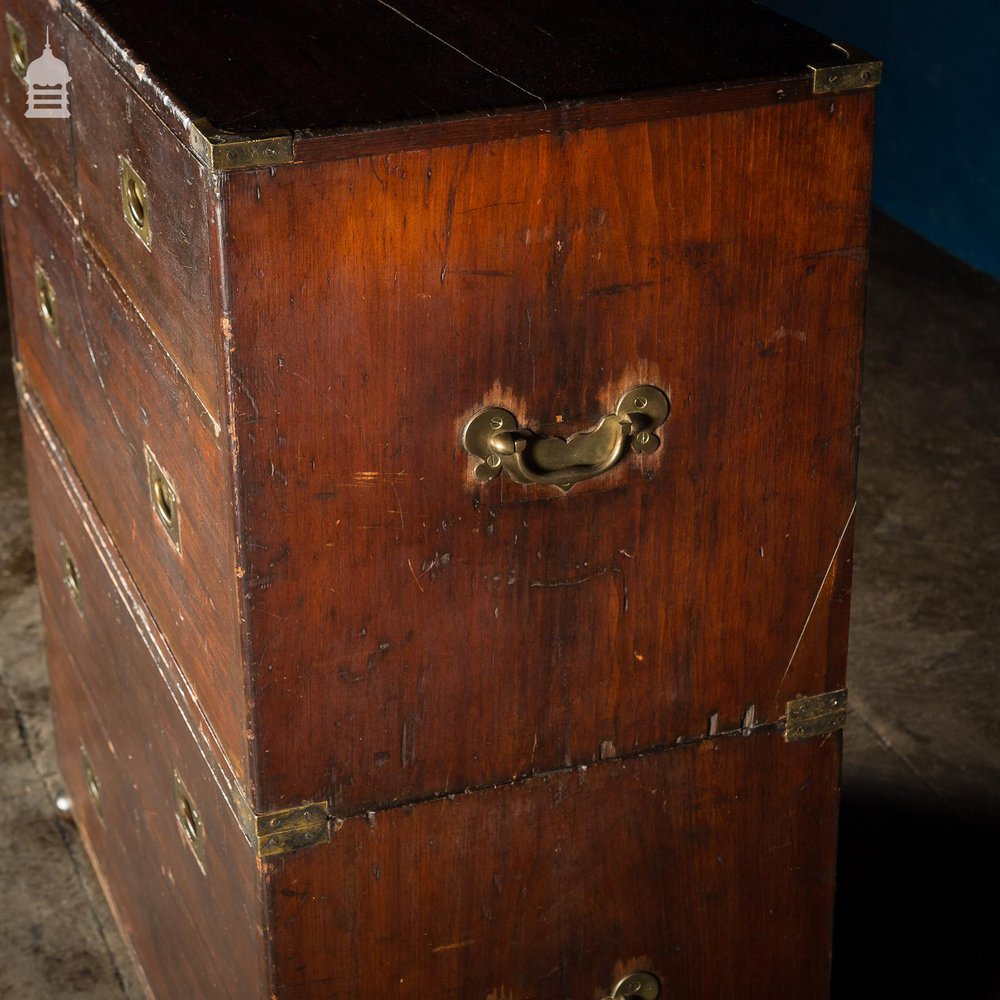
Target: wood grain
{"points": [[412, 632], [195, 933], [171, 283], [710, 865], [363, 65], [50, 140], [111, 393]]}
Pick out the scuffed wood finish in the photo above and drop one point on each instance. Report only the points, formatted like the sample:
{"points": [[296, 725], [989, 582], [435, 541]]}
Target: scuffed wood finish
{"points": [[111, 392], [195, 933], [171, 284], [412, 632], [361, 65], [711, 865], [49, 139], [545, 729]]}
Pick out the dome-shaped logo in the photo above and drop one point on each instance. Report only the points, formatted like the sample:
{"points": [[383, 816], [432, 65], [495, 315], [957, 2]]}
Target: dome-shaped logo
{"points": [[47, 78]]}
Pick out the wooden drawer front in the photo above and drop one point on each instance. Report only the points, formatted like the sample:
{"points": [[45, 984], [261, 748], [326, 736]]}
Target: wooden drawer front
{"points": [[48, 140], [169, 280], [711, 866], [189, 907], [463, 633], [122, 409]]}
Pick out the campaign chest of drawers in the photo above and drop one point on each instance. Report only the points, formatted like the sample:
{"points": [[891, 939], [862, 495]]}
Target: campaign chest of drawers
{"points": [[441, 424]]}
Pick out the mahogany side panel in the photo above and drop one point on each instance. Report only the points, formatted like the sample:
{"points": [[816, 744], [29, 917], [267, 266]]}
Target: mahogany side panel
{"points": [[170, 282], [195, 926], [49, 139], [710, 865], [413, 632], [114, 397]]}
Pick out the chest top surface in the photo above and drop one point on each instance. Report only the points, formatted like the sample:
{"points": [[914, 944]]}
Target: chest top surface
{"points": [[301, 65]]}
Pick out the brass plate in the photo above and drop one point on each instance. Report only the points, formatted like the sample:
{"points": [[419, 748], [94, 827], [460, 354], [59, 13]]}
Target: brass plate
{"points": [[641, 985], [18, 42], [135, 201], [289, 830], [849, 69], [818, 715], [91, 781], [232, 151], [164, 499]]}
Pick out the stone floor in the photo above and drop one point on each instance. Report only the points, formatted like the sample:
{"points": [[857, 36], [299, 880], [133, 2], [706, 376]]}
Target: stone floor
{"points": [[921, 813]]}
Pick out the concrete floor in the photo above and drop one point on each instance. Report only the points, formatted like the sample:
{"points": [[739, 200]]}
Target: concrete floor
{"points": [[921, 811]]}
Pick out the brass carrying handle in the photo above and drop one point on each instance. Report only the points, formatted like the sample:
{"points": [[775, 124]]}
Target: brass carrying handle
{"points": [[493, 436]]}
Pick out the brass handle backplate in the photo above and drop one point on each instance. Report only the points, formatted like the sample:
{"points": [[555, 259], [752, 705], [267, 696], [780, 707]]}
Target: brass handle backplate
{"points": [[493, 436], [641, 985]]}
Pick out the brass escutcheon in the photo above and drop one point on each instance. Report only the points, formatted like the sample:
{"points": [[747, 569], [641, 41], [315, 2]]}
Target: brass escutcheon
{"points": [[164, 499], [18, 47], [46, 297], [189, 820], [135, 201], [493, 436]]}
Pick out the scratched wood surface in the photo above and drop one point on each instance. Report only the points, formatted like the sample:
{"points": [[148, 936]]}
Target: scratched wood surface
{"points": [[360, 64], [413, 632], [709, 865], [196, 933], [49, 139], [111, 392], [172, 284]]}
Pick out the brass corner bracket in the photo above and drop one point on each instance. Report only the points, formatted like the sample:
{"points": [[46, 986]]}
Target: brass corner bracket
{"points": [[286, 830], [818, 715], [232, 150], [848, 69]]}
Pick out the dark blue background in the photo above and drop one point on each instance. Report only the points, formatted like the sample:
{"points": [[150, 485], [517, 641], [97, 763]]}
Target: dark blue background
{"points": [[937, 141]]}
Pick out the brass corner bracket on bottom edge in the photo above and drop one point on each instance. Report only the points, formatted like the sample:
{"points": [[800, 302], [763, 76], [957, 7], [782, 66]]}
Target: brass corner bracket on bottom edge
{"points": [[816, 715]]}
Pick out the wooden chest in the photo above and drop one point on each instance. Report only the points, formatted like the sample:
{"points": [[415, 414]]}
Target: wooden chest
{"points": [[441, 424]]}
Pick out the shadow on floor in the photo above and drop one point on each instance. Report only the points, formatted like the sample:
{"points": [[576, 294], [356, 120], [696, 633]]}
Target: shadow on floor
{"points": [[917, 901]]}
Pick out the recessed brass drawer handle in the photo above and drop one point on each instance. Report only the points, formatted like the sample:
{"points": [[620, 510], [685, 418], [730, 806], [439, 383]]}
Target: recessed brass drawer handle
{"points": [[163, 497], [531, 459], [71, 575], [91, 781], [135, 201], [18, 47], [46, 297], [189, 820]]}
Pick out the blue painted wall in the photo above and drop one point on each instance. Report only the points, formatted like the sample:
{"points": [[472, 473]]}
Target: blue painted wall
{"points": [[937, 145]]}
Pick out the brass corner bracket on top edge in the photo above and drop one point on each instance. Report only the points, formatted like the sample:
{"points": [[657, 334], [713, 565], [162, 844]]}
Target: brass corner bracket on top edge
{"points": [[849, 68], [233, 151]]}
